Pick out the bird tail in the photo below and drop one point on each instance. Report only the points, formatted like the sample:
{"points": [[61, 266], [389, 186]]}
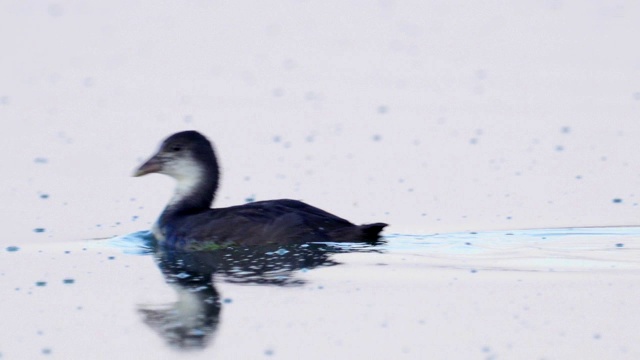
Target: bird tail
{"points": [[371, 231], [366, 232]]}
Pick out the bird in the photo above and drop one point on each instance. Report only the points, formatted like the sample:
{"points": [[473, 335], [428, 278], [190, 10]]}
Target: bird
{"points": [[189, 222]]}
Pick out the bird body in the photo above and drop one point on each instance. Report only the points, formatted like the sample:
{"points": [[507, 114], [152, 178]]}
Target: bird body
{"points": [[188, 221]]}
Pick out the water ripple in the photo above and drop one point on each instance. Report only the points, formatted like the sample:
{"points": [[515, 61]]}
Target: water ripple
{"points": [[562, 249]]}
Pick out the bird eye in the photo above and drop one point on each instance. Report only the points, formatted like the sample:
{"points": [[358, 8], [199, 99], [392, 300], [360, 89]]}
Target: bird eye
{"points": [[176, 148]]}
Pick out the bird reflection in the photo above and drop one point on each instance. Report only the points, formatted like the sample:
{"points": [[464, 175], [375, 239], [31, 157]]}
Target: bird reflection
{"points": [[192, 321]]}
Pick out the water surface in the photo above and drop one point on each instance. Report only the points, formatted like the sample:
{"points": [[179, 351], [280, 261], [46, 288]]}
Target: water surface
{"points": [[550, 293]]}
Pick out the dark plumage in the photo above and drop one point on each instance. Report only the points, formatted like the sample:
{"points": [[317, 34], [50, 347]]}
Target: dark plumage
{"points": [[189, 222]]}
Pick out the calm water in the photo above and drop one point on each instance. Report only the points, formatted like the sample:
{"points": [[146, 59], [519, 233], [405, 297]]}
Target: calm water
{"points": [[526, 294], [426, 115]]}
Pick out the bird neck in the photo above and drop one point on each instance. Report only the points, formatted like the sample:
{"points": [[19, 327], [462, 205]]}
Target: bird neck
{"points": [[195, 192]]}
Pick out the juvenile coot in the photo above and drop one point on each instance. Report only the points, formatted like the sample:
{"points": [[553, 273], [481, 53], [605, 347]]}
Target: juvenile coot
{"points": [[189, 222]]}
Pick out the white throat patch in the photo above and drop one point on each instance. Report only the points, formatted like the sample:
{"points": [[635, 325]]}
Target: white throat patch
{"points": [[188, 174]]}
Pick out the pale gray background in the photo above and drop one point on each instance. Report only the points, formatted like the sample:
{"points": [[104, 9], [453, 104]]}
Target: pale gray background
{"points": [[431, 116]]}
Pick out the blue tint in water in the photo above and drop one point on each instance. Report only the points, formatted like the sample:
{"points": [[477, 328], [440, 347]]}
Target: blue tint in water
{"points": [[561, 249], [268, 352], [182, 275], [138, 243], [197, 332], [12, 248]]}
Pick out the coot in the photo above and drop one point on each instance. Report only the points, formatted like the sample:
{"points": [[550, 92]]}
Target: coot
{"points": [[188, 221]]}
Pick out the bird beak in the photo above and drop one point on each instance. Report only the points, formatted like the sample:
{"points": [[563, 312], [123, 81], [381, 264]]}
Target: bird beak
{"points": [[153, 165]]}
